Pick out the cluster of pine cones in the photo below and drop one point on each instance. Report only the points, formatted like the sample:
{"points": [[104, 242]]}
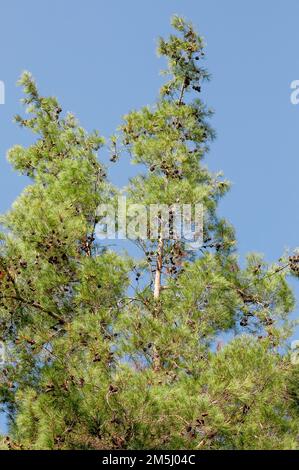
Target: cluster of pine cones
{"points": [[294, 263]]}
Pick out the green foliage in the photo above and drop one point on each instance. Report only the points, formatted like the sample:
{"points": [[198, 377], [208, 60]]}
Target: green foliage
{"points": [[96, 360]]}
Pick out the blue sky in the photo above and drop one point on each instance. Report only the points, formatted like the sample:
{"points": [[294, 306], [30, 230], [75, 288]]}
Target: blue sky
{"points": [[98, 58]]}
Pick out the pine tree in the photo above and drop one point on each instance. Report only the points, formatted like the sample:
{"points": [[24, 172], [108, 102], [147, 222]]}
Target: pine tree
{"points": [[98, 360], [59, 290]]}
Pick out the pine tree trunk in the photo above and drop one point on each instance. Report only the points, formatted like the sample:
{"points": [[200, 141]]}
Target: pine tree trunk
{"points": [[157, 286]]}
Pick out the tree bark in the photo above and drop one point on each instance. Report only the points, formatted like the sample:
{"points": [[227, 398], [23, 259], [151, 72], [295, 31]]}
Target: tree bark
{"points": [[157, 286]]}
